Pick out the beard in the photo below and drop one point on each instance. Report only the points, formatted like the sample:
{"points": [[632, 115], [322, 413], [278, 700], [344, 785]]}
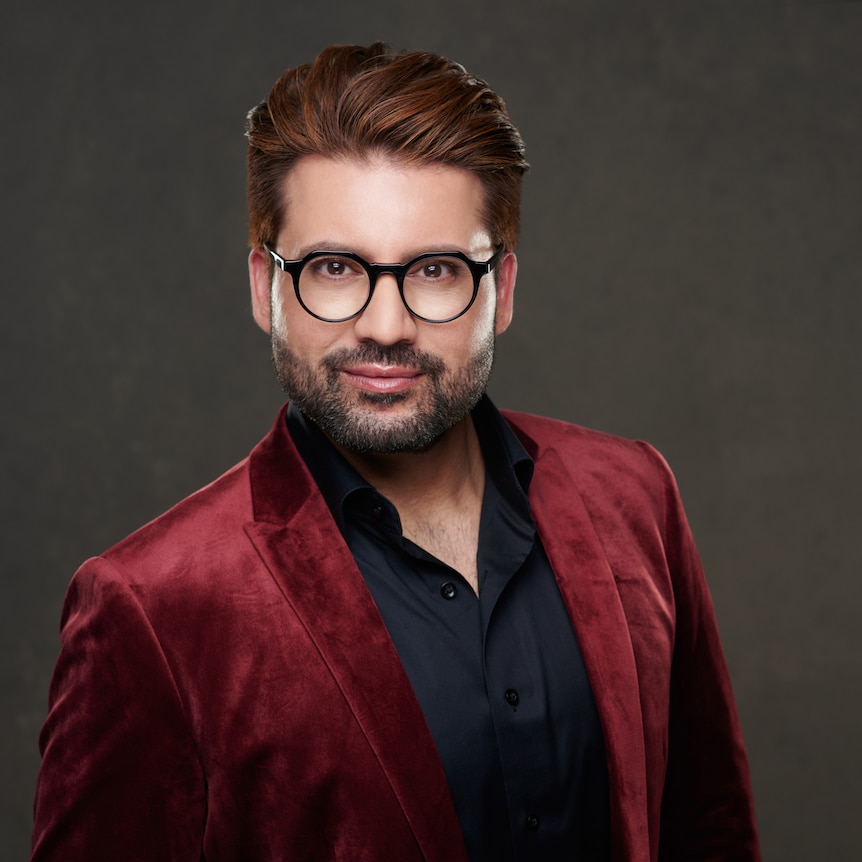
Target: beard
{"points": [[358, 420]]}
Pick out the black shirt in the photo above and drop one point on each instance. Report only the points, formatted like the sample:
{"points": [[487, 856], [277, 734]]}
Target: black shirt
{"points": [[499, 678]]}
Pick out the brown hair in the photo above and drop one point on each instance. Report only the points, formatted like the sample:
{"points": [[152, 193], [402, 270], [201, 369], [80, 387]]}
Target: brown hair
{"points": [[416, 107]]}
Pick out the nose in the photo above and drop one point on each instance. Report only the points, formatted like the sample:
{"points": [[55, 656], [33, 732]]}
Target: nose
{"points": [[386, 319]]}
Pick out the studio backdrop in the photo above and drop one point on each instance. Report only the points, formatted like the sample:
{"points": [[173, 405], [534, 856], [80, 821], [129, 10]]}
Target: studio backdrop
{"points": [[689, 274]]}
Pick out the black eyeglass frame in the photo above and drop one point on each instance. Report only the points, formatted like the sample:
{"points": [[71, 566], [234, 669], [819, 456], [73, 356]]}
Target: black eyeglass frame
{"points": [[479, 269]]}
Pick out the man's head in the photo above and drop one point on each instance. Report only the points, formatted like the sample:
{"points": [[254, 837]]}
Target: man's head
{"points": [[413, 107], [391, 180]]}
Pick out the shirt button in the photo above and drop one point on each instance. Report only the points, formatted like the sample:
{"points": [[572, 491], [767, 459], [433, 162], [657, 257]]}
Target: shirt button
{"points": [[448, 590], [532, 822], [512, 697], [377, 512]]}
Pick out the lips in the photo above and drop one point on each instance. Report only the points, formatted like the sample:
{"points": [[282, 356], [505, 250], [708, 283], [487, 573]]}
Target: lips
{"points": [[381, 378]]}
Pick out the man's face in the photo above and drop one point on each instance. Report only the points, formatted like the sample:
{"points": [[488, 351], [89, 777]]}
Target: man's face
{"points": [[383, 382]]}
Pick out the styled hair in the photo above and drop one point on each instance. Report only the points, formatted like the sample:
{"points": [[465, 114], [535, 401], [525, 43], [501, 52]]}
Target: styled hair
{"points": [[415, 107]]}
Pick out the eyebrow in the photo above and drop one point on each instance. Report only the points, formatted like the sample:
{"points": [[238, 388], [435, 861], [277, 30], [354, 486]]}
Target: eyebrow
{"points": [[333, 246]]}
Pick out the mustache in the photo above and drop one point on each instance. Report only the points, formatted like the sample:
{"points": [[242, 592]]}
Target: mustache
{"points": [[383, 354]]}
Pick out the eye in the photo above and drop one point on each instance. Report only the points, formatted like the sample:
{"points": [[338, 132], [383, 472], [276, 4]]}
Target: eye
{"points": [[333, 267], [437, 270]]}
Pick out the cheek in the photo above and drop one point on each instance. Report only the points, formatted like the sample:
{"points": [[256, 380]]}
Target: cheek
{"points": [[468, 336], [299, 331], [277, 318], [483, 322], [288, 318]]}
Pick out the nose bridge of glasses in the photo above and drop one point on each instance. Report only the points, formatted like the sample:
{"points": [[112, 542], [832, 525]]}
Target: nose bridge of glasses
{"points": [[395, 270]]}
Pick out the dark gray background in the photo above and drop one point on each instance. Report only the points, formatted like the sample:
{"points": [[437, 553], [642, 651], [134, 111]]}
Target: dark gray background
{"points": [[689, 275]]}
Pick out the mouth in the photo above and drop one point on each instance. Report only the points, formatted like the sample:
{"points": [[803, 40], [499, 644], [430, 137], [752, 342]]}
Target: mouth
{"points": [[385, 379]]}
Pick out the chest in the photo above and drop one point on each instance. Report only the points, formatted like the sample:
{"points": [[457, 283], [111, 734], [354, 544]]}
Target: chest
{"points": [[452, 539]]}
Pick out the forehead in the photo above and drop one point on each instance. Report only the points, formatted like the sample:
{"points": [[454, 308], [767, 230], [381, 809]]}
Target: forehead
{"points": [[381, 208]]}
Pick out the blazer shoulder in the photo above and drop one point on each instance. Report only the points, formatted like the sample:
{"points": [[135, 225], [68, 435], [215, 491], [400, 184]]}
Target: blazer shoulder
{"points": [[585, 445], [201, 525], [604, 467]]}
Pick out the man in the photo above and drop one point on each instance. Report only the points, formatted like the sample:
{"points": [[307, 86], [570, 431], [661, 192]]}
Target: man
{"points": [[406, 627]]}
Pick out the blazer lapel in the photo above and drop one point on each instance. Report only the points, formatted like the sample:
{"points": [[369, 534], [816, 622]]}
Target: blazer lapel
{"points": [[591, 597], [300, 544]]}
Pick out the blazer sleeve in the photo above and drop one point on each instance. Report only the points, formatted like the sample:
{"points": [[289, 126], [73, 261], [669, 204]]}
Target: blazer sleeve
{"points": [[707, 807], [120, 775]]}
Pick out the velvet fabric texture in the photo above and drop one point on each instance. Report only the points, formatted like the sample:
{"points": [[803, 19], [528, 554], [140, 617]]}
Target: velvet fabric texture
{"points": [[226, 689]]}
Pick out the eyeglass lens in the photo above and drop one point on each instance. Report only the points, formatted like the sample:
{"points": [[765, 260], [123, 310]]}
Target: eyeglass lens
{"points": [[335, 287]]}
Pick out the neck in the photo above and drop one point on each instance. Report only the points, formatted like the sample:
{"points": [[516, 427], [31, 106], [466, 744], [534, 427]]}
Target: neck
{"points": [[438, 495], [450, 473]]}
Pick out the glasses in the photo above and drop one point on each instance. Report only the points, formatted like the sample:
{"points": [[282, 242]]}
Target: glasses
{"points": [[435, 287]]}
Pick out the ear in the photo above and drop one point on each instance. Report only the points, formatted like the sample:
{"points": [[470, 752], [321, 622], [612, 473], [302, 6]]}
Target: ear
{"points": [[507, 270], [260, 280]]}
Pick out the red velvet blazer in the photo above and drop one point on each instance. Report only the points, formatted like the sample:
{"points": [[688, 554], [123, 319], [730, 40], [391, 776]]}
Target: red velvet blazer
{"points": [[227, 690]]}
